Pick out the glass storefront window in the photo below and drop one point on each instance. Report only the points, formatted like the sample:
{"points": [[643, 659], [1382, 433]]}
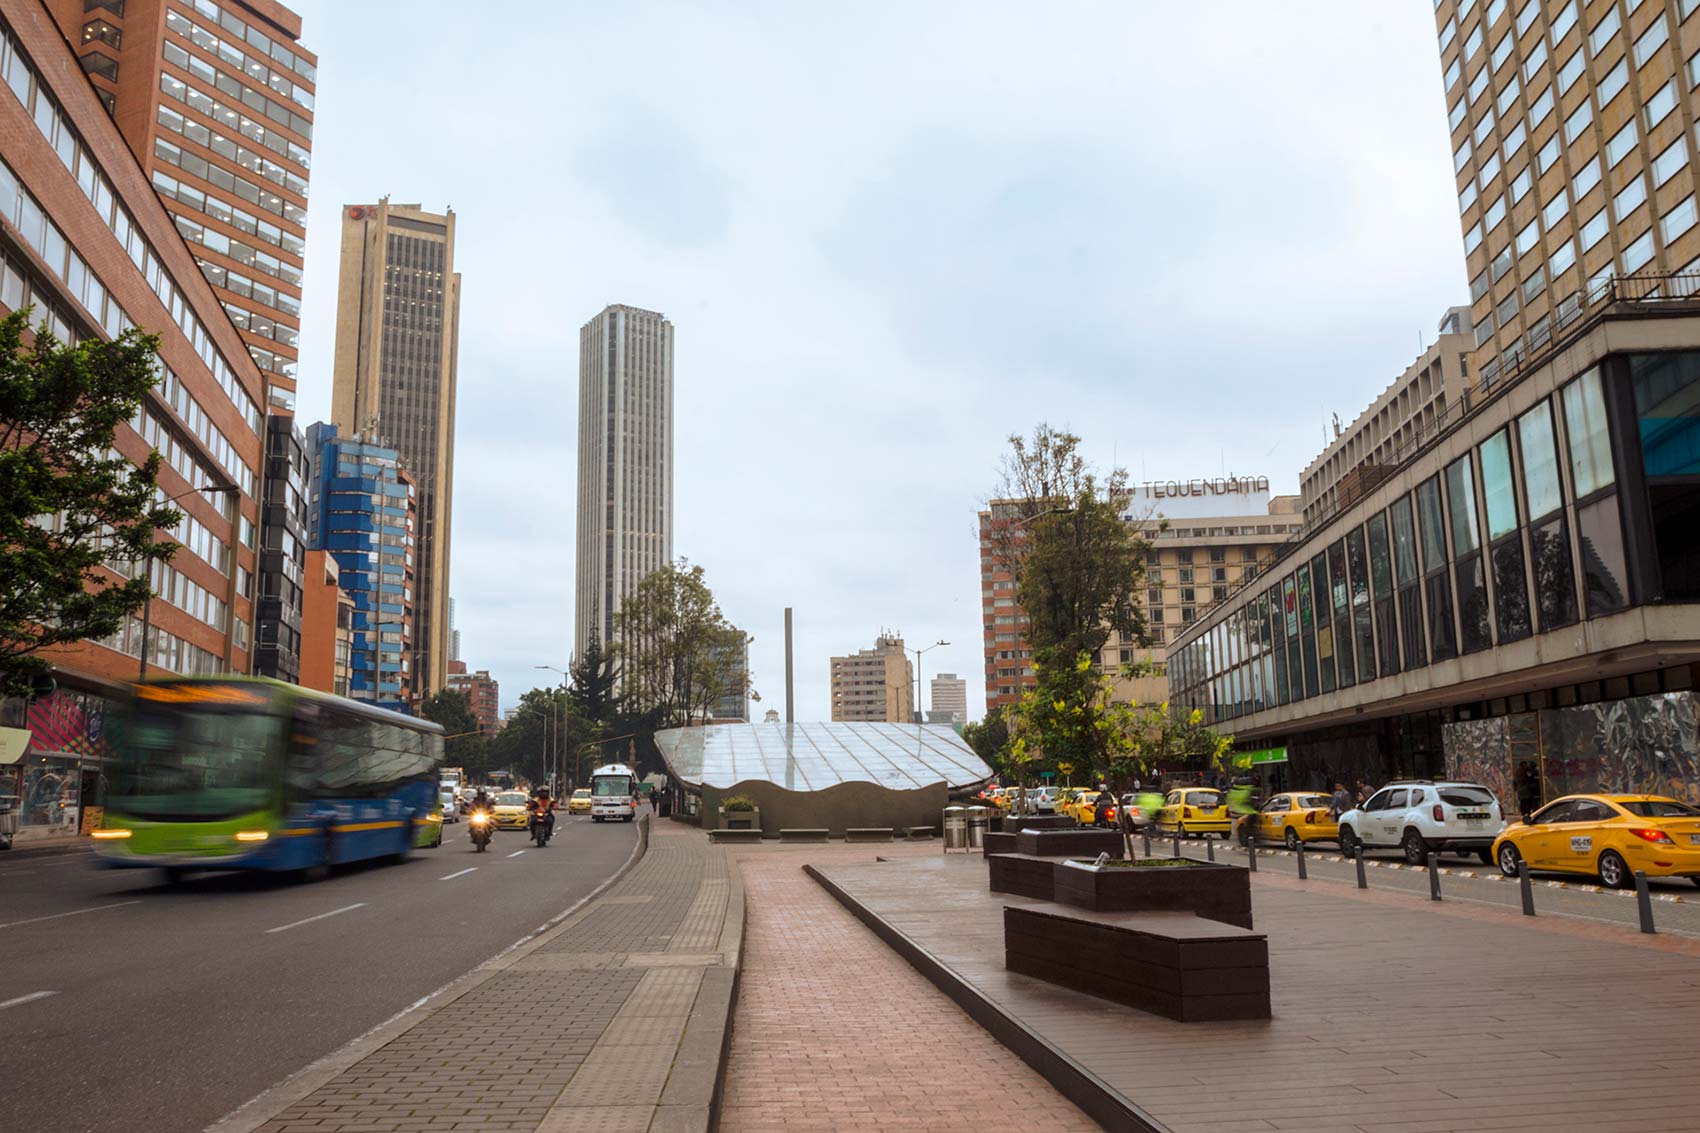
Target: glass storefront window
{"points": [[1415, 648], [1404, 541], [1540, 462], [1555, 583], [1498, 486], [1461, 495], [1443, 643], [1381, 574], [1339, 593], [1585, 428], [1362, 633], [1510, 591], [1600, 534], [1667, 411], [1307, 632], [1475, 633], [1324, 623]]}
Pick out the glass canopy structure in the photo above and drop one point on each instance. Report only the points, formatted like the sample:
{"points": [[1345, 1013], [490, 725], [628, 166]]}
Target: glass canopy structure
{"points": [[814, 757]]}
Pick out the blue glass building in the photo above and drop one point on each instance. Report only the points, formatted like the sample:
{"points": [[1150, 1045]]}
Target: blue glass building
{"points": [[363, 511]]}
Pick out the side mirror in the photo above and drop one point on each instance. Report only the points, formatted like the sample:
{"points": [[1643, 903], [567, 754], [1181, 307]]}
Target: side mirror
{"points": [[1526, 818]]}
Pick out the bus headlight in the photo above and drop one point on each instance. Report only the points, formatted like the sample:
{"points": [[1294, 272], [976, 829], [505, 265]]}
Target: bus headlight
{"points": [[111, 835], [252, 835]]}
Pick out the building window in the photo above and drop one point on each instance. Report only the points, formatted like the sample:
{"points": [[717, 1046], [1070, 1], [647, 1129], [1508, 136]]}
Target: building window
{"points": [[1187, 594], [103, 32], [1218, 554], [1505, 543], [1549, 541], [1410, 585], [1665, 388], [97, 64], [1218, 593], [1437, 585]]}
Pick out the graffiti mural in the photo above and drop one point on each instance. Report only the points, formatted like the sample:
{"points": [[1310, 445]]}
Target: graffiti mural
{"points": [[1643, 745], [1479, 751]]}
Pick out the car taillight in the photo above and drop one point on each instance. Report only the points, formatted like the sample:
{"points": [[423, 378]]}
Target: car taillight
{"points": [[1310, 817], [1186, 812], [1651, 835], [1439, 813]]}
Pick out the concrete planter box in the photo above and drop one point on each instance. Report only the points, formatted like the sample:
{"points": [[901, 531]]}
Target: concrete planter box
{"points": [[1211, 890], [1069, 843], [1023, 875], [1009, 824], [740, 819]]}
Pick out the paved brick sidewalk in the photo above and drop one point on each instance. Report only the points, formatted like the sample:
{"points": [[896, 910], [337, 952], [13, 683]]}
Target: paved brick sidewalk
{"points": [[613, 1020], [835, 1031]]}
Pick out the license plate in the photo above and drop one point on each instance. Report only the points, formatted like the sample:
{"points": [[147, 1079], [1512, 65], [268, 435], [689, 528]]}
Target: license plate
{"points": [[1474, 819], [1695, 838]]}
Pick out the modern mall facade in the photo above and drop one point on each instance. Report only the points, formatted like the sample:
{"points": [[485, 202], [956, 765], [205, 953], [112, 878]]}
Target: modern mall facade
{"points": [[1520, 589]]}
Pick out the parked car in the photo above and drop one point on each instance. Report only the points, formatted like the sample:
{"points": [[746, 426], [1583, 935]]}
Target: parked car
{"points": [[1420, 817], [1294, 817], [1610, 836], [1194, 810]]}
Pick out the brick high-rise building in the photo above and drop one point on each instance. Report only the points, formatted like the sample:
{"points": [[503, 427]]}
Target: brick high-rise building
{"points": [[215, 98], [89, 246], [327, 626], [625, 462], [397, 344], [1572, 135], [482, 691], [874, 684]]}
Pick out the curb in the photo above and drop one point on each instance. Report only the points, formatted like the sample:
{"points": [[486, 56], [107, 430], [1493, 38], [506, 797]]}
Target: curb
{"points": [[54, 848], [1098, 1099], [258, 1110]]}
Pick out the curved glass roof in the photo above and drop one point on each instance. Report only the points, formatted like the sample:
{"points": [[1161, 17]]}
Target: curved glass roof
{"points": [[811, 757]]}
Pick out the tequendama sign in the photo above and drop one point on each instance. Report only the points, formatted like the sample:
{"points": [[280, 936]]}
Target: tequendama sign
{"points": [[1200, 498], [1220, 486]]}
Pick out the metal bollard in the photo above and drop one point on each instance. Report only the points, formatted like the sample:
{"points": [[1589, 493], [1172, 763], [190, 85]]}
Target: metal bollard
{"points": [[1644, 902], [1251, 854], [1147, 837], [1209, 849], [1177, 841], [1528, 889], [1363, 882], [1304, 875], [1433, 879]]}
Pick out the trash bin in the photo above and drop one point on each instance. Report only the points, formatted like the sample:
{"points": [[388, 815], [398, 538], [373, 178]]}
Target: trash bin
{"points": [[979, 821], [955, 829]]}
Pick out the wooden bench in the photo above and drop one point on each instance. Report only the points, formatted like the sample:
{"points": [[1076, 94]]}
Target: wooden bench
{"points": [[867, 834], [744, 835], [802, 834], [1171, 964], [1024, 875]]}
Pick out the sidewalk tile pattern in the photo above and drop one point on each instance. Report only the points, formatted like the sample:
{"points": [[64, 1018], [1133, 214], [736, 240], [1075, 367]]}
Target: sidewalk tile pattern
{"points": [[834, 1031], [1392, 1014], [569, 1037]]}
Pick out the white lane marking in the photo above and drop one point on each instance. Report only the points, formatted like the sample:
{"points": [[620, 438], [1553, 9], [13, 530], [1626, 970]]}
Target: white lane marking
{"points": [[72, 913], [516, 853], [320, 917], [461, 873], [23, 999]]}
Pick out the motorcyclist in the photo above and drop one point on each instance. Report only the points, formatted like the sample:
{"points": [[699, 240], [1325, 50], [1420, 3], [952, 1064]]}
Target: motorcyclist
{"points": [[1101, 806], [481, 801], [542, 809], [1240, 807]]}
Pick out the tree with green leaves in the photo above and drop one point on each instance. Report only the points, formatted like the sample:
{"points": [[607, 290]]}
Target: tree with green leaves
{"points": [[989, 738], [678, 654], [79, 523], [464, 745], [593, 679], [542, 724]]}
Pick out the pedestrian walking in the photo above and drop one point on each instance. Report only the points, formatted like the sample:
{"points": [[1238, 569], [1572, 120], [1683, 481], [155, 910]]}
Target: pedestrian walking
{"points": [[1342, 800], [1364, 791], [654, 800]]}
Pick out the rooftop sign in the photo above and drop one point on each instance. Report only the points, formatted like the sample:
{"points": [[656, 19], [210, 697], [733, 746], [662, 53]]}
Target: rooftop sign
{"points": [[1196, 498]]}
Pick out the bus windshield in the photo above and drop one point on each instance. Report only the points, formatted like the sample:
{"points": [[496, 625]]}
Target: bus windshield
{"points": [[178, 762], [612, 786]]}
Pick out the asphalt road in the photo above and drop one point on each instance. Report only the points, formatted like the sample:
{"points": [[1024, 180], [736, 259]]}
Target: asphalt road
{"points": [[126, 1005]]}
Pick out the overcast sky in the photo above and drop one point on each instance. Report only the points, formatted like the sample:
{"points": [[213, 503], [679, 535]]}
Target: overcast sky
{"points": [[887, 235]]}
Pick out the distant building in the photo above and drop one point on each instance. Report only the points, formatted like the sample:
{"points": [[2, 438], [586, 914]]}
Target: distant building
{"points": [[481, 691], [363, 511], [283, 550], [625, 462], [874, 684], [950, 700], [734, 707], [327, 626], [771, 716]]}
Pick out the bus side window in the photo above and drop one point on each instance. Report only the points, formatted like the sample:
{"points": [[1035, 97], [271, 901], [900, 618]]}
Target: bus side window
{"points": [[302, 774]]}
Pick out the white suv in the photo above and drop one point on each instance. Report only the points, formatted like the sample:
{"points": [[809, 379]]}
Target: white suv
{"points": [[1421, 817]]}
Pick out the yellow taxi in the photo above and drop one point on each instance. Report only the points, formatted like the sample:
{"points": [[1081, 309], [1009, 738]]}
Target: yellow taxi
{"points": [[579, 803], [510, 811], [1295, 817], [1194, 810], [1083, 808], [1610, 836]]}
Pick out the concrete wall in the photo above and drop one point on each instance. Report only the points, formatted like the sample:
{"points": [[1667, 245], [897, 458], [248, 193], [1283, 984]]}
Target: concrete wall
{"points": [[835, 808]]}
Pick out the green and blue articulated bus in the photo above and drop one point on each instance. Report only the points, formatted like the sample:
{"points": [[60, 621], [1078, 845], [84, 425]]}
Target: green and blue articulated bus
{"points": [[253, 774]]}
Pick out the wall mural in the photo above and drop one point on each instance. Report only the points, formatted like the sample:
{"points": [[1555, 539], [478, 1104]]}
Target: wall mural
{"points": [[1643, 745], [1479, 751]]}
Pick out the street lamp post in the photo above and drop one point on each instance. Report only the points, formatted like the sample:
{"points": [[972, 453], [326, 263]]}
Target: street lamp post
{"points": [[920, 716], [559, 712], [147, 604]]}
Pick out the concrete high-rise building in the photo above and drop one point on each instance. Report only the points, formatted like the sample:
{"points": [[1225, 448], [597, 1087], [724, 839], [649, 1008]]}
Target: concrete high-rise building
{"points": [[215, 98], [950, 699], [397, 340], [362, 510], [625, 462], [1218, 535], [1573, 151], [735, 705], [874, 684]]}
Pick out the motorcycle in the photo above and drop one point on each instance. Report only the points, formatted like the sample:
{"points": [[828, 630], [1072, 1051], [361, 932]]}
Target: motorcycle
{"points": [[540, 829], [479, 824]]}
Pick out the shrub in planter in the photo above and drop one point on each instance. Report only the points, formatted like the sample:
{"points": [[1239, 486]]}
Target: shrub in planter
{"points": [[739, 812]]}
